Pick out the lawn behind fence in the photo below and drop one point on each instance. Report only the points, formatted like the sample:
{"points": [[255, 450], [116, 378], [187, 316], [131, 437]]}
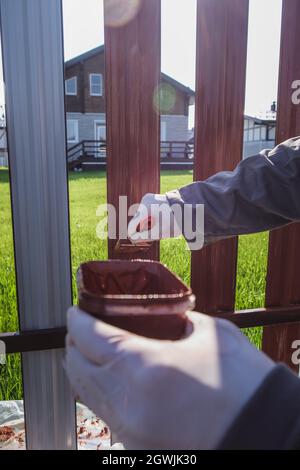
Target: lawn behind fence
{"points": [[86, 191]]}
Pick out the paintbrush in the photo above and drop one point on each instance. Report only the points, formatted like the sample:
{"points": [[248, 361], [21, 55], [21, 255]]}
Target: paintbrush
{"points": [[132, 246]]}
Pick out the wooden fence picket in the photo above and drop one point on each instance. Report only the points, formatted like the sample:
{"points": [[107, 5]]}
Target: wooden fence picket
{"points": [[132, 68], [283, 277], [220, 94]]}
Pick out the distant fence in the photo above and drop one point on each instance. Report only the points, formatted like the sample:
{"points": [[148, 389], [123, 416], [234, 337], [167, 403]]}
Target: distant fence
{"points": [[173, 154], [178, 155], [92, 153]]}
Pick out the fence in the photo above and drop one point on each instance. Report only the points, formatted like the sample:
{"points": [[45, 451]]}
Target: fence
{"points": [[89, 153], [32, 49]]}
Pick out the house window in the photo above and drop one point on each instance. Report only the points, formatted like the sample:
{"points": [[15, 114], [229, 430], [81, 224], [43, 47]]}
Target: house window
{"points": [[257, 133], [100, 130], [272, 133], [163, 131], [263, 133], [96, 84], [71, 86], [72, 131]]}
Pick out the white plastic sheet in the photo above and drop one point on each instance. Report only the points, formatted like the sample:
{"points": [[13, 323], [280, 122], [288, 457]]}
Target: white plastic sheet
{"points": [[92, 433]]}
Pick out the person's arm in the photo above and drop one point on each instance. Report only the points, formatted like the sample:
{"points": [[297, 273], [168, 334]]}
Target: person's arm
{"points": [[271, 419], [262, 193]]}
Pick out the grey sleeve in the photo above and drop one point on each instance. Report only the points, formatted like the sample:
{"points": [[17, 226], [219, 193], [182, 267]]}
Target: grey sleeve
{"points": [[263, 424], [262, 193]]}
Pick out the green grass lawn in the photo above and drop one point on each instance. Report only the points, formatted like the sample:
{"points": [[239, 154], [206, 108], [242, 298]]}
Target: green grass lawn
{"points": [[87, 191]]}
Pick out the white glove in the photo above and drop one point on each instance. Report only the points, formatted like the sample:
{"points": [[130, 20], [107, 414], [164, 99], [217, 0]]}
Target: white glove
{"points": [[153, 220], [161, 394]]}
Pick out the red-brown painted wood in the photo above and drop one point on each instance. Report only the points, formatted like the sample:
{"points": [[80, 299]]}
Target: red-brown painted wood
{"points": [[220, 94], [283, 277], [132, 66]]}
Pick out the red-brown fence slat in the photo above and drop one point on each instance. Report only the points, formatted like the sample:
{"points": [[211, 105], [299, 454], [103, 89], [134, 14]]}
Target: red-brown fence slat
{"points": [[222, 28], [283, 277], [132, 69]]}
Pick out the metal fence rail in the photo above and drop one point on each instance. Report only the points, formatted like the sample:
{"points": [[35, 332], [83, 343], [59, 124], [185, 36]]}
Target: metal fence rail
{"points": [[32, 49]]}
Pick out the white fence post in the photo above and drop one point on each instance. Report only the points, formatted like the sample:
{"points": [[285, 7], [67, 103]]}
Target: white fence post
{"points": [[32, 45]]}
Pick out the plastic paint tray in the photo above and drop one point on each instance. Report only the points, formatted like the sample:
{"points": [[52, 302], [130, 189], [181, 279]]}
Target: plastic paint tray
{"points": [[140, 296]]}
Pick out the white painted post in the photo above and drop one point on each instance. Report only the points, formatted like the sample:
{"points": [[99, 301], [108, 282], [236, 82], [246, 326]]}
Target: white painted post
{"points": [[32, 45]]}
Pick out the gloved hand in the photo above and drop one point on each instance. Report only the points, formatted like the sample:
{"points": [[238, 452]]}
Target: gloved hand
{"points": [[161, 394], [154, 220]]}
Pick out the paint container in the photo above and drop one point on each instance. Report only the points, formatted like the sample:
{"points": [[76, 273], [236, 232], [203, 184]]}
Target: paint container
{"points": [[140, 296]]}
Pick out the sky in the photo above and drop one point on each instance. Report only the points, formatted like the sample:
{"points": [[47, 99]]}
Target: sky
{"points": [[83, 30]]}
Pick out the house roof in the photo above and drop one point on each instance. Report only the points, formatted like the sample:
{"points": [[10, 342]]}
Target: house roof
{"points": [[86, 55], [261, 120], [100, 50]]}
